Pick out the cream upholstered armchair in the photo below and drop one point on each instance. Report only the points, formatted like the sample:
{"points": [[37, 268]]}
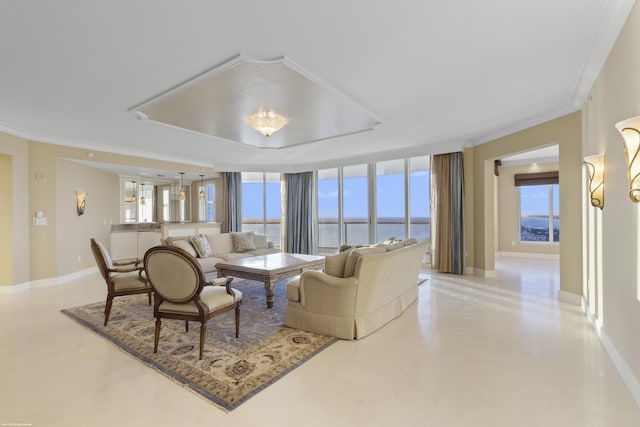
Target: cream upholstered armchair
{"points": [[122, 277], [181, 291]]}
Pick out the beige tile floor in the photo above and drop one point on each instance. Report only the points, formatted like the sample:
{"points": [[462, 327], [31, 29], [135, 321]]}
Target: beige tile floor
{"points": [[472, 352]]}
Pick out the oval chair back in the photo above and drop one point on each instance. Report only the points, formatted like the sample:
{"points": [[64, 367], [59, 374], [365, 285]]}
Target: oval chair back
{"points": [[181, 291], [173, 274]]}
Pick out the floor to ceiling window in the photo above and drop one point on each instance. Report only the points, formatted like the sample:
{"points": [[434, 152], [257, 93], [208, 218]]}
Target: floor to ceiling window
{"points": [[355, 200], [368, 203], [262, 204], [391, 219], [328, 211], [419, 197]]}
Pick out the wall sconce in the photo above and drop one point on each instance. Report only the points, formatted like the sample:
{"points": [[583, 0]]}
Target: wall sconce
{"points": [[81, 198], [595, 168], [629, 131]]}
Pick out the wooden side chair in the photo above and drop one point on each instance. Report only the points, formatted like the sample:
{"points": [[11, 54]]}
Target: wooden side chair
{"points": [[122, 277], [181, 291]]}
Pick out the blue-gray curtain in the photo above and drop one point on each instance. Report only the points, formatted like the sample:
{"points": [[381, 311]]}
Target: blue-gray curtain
{"points": [[299, 213], [447, 203], [232, 187]]}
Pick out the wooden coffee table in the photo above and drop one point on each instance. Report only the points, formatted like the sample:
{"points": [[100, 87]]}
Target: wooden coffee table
{"points": [[270, 269]]}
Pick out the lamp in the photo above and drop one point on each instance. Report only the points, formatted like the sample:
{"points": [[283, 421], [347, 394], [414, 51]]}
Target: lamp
{"points": [[182, 194], [595, 168], [629, 131], [267, 122], [143, 201], [135, 190], [202, 195], [81, 199]]}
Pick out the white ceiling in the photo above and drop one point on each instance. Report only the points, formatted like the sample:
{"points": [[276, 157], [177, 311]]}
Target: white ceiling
{"points": [[438, 75]]}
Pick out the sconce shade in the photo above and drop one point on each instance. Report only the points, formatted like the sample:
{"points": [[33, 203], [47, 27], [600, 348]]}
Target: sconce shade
{"points": [[629, 131], [81, 199], [595, 169]]}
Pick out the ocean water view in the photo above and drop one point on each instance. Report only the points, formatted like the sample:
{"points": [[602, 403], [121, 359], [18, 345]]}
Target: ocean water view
{"points": [[535, 228], [356, 230]]}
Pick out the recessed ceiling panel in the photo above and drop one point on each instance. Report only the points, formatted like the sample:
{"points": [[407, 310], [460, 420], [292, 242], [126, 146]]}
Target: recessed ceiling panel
{"points": [[218, 102]]}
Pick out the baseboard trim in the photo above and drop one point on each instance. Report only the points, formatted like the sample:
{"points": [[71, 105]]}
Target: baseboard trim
{"points": [[569, 297], [484, 273], [14, 289], [528, 255], [621, 366], [44, 283]]}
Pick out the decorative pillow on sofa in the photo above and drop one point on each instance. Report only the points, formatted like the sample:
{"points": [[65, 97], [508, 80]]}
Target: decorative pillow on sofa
{"points": [[242, 242], [260, 241], [201, 245], [395, 245], [334, 264], [187, 246], [410, 241], [354, 255]]}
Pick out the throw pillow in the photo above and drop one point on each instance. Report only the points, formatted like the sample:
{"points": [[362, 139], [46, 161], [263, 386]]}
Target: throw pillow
{"points": [[334, 264], [352, 259], [242, 242], [201, 245], [187, 246], [410, 241], [260, 241], [395, 245]]}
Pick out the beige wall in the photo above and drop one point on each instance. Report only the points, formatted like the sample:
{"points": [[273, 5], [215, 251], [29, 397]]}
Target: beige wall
{"points": [[565, 132], [102, 209], [50, 251], [17, 231], [612, 280], [508, 217], [6, 220]]}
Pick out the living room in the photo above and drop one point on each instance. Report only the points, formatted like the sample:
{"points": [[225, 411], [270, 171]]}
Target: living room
{"points": [[597, 251]]}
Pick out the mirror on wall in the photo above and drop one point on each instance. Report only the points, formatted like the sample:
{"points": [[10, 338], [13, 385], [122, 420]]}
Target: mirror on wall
{"points": [[170, 207], [149, 200]]}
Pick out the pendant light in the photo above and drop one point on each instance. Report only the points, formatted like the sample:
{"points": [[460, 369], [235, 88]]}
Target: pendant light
{"points": [[182, 195], [142, 199], [202, 195], [135, 190]]}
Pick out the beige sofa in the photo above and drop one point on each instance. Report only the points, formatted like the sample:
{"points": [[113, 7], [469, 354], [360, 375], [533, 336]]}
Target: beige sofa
{"points": [[223, 247], [359, 291]]}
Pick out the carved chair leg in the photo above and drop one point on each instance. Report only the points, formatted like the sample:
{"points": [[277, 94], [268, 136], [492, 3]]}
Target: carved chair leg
{"points": [[186, 325], [149, 298], [157, 336], [107, 309], [237, 320], [203, 332]]}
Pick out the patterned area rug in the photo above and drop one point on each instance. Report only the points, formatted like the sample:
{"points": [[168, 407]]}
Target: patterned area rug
{"points": [[232, 370]]}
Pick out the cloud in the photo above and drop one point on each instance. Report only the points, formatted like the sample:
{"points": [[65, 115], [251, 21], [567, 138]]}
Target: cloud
{"points": [[328, 195]]}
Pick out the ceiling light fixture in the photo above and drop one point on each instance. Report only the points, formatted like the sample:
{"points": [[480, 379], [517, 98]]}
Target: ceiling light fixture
{"points": [[182, 195], [267, 122], [135, 190]]}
